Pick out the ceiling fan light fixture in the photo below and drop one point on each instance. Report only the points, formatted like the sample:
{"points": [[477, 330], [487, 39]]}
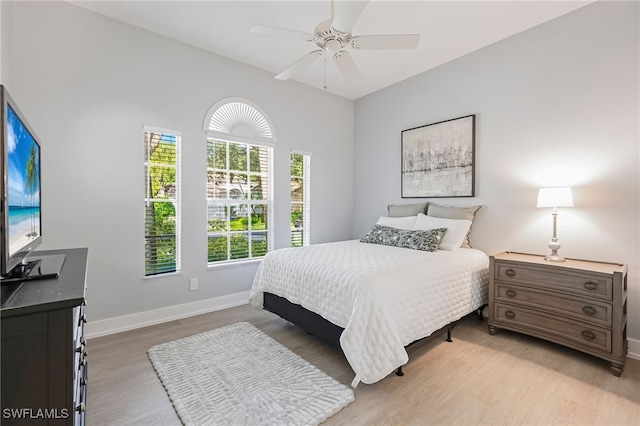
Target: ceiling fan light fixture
{"points": [[333, 45]]}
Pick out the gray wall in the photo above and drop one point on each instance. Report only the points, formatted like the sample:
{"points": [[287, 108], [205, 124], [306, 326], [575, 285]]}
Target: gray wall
{"points": [[88, 85], [5, 43], [555, 105]]}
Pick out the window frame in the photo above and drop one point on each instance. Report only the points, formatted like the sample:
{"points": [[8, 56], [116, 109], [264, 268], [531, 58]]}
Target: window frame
{"points": [[306, 197], [268, 201], [177, 200]]}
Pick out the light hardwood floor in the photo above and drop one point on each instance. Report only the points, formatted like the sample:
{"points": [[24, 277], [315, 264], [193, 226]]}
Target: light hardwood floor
{"points": [[478, 379]]}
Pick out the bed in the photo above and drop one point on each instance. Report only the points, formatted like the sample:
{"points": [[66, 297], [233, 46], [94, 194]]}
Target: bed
{"points": [[377, 298]]}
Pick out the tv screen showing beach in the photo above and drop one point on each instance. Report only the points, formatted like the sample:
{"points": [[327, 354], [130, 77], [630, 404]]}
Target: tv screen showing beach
{"points": [[23, 178]]}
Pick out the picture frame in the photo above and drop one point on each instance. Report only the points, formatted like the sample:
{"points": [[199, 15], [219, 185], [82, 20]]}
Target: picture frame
{"points": [[438, 160]]}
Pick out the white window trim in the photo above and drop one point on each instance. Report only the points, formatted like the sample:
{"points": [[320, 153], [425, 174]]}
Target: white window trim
{"points": [[220, 123], [239, 139], [269, 202], [306, 195], [178, 200], [233, 263]]}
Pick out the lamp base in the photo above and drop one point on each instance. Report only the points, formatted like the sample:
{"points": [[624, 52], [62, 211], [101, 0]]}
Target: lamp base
{"points": [[554, 245], [554, 258]]}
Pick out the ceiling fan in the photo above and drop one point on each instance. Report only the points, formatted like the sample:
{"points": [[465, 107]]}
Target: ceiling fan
{"points": [[334, 36]]}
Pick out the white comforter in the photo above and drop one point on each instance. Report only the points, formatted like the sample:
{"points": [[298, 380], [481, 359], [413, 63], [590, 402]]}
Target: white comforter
{"points": [[384, 297]]}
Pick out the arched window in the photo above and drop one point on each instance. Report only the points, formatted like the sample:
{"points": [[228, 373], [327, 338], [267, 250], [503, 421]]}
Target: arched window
{"points": [[240, 145]]}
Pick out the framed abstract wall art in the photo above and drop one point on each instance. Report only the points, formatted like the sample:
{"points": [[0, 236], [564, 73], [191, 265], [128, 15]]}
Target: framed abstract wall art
{"points": [[438, 159]]}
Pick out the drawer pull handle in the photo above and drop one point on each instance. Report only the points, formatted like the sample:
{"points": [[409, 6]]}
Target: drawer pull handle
{"points": [[589, 310], [510, 314], [588, 335], [510, 272], [511, 293], [80, 408], [590, 285]]}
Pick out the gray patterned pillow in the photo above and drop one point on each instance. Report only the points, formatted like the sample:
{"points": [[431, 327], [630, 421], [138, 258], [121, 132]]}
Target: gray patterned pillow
{"points": [[428, 240]]}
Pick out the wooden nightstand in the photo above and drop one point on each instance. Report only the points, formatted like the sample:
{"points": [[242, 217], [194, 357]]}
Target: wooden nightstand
{"points": [[580, 304]]}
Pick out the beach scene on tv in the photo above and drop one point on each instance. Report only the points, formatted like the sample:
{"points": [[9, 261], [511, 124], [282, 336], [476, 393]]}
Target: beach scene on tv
{"points": [[23, 184]]}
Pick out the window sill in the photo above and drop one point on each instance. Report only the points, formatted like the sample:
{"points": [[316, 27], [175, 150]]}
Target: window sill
{"points": [[233, 263], [167, 274]]}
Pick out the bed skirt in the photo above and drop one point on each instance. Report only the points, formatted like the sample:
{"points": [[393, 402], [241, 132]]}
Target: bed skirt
{"points": [[309, 321]]}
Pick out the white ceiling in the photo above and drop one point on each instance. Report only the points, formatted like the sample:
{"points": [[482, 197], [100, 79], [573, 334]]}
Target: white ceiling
{"points": [[449, 29]]}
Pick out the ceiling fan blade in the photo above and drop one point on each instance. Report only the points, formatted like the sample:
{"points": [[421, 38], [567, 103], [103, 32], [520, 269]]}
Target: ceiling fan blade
{"points": [[347, 13], [299, 65], [282, 32], [347, 67], [388, 41]]}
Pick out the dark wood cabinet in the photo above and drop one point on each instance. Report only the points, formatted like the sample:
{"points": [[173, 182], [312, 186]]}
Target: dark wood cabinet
{"points": [[44, 367]]}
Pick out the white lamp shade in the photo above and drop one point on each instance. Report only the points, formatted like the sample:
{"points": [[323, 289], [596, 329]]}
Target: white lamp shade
{"points": [[555, 197]]}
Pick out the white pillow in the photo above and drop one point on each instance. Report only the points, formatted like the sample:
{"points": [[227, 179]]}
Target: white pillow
{"points": [[457, 229], [407, 223]]}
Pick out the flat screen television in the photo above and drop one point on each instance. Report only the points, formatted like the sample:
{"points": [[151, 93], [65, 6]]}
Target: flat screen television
{"points": [[21, 225]]}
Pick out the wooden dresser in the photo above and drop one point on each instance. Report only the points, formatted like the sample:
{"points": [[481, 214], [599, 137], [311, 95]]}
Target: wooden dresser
{"points": [[44, 367], [580, 304]]}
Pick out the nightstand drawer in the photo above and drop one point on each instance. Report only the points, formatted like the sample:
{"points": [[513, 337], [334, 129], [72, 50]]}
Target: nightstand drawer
{"points": [[585, 284], [581, 309], [552, 328]]}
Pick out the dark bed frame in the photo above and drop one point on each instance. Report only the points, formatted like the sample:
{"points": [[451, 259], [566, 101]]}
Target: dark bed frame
{"points": [[330, 333]]}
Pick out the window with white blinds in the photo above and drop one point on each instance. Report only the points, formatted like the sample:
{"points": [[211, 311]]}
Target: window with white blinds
{"points": [[300, 198], [239, 200], [161, 202]]}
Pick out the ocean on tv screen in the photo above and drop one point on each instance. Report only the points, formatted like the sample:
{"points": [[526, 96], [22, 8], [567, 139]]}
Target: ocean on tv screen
{"points": [[24, 226], [23, 178]]}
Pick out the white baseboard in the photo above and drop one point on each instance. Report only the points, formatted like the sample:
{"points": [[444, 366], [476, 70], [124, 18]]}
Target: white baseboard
{"points": [[157, 316], [634, 349]]}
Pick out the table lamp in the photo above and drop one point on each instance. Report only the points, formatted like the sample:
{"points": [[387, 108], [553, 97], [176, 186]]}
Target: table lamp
{"points": [[555, 197]]}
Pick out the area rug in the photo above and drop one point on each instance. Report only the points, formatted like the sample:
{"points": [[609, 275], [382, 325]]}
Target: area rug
{"points": [[237, 375]]}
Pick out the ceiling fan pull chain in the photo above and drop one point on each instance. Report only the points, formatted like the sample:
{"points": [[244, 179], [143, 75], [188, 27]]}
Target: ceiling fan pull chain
{"points": [[325, 70]]}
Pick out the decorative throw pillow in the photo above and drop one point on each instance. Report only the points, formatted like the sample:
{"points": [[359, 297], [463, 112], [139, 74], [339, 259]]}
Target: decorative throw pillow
{"points": [[417, 240], [398, 222], [454, 212], [457, 230], [407, 209]]}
